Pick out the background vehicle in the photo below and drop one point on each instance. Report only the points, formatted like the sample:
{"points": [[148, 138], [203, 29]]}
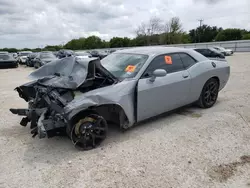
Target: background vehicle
{"points": [[65, 53], [82, 54], [22, 56], [210, 52], [30, 59], [112, 51], [124, 88], [8, 61], [99, 53], [223, 50], [14, 55], [43, 58], [4, 52]]}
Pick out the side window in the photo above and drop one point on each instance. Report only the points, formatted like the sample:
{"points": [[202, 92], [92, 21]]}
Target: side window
{"points": [[160, 63], [207, 52], [187, 60]]}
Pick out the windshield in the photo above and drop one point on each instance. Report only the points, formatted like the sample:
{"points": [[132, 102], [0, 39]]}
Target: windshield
{"points": [[123, 65], [32, 55], [4, 57], [214, 50], [48, 56]]}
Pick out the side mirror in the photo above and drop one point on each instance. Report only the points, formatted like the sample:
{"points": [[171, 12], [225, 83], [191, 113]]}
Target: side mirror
{"points": [[158, 73]]}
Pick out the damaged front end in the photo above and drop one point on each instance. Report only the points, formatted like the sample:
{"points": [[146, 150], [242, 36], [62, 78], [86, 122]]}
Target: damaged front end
{"points": [[45, 109], [55, 86]]}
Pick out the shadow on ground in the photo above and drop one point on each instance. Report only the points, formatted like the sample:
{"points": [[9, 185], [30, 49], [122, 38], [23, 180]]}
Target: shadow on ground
{"points": [[56, 149]]}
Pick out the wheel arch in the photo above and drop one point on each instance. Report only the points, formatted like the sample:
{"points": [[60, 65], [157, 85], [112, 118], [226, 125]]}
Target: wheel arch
{"points": [[216, 78], [213, 77], [113, 113]]}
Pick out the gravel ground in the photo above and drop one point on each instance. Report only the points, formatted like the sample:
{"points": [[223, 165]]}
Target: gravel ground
{"points": [[189, 148]]}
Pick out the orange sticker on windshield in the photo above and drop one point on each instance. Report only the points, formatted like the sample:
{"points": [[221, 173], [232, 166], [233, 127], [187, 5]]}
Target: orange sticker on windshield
{"points": [[168, 60], [130, 68]]}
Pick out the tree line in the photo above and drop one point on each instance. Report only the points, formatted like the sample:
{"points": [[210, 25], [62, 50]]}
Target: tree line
{"points": [[154, 32]]}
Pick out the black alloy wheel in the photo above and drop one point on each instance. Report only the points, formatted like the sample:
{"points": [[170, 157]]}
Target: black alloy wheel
{"points": [[89, 132], [209, 93]]}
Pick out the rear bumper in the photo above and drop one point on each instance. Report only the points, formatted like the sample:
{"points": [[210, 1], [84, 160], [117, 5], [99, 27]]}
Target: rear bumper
{"points": [[9, 65], [225, 78]]}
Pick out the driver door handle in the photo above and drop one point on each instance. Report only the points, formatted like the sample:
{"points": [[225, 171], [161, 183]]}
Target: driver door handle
{"points": [[185, 75]]}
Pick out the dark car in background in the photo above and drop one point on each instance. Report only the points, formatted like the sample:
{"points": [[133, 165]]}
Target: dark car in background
{"points": [[44, 58], [30, 59], [210, 53], [8, 61], [65, 53]]}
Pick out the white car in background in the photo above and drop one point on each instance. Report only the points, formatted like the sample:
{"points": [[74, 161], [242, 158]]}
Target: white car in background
{"points": [[82, 54], [224, 51], [22, 56]]}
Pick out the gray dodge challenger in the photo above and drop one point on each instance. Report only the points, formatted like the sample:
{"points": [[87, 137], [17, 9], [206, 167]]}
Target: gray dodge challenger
{"points": [[80, 98]]}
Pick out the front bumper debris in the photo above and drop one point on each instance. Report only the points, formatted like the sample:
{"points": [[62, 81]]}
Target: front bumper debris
{"points": [[44, 113]]}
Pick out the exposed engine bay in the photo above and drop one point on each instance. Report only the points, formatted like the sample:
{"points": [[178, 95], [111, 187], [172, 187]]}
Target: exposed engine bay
{"points": [[55, 86]]}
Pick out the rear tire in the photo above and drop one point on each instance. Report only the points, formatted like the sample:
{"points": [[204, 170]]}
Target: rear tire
{"points": [[209, 93]]}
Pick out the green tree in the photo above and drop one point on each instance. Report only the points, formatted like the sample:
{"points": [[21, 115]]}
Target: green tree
{"points": [[119, 42], [11, 50], [173, 32], [116, 42], [93, 42], [205, 33], [229, 34], [141, 40], [126, 42], [25, 49], [105, 44], [74, 44], [246, 36]]}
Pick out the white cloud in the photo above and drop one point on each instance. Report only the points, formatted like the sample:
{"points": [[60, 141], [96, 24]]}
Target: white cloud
{"points": [[34, 23]]}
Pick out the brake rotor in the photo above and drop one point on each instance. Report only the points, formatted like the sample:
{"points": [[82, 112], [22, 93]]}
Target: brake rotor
{"points": [[89, 132]]}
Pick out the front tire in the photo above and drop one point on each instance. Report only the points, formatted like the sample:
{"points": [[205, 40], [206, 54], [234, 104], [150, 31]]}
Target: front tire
{"points": [[209, 93], [37, 65], [89, 132]]}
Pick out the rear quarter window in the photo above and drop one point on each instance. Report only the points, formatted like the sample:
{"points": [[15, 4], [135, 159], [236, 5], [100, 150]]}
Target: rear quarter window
{"points": [[187, 60]]}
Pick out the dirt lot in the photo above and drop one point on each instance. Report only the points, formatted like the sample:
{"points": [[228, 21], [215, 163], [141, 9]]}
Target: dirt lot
{"points": [[190, 148]]}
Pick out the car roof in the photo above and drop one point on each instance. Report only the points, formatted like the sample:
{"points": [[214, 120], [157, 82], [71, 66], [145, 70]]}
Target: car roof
{"points": [[153, 50], [204, 48]]}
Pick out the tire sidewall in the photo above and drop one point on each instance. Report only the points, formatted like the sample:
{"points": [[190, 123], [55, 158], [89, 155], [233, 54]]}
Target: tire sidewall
{"points": [[202, 99]]}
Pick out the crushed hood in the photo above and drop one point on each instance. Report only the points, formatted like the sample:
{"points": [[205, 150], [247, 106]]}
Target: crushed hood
{"points": [[67, 73]]}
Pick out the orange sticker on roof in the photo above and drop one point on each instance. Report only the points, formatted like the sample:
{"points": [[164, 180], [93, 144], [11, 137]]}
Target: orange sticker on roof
{"points": [[168, 60], [130, 68]]}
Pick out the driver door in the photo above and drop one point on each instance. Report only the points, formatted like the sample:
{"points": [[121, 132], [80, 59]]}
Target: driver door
{"points": [[165, 93]]}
